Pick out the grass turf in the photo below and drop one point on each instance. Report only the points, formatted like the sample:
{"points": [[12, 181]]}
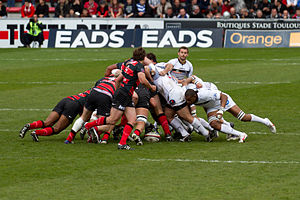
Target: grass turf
{"points": [[261, 81]]}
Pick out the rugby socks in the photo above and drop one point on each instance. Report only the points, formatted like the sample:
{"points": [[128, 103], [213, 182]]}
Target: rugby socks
{"points": [[98, 122], [71, 136], [106, 136], [126, 132], [77, 125], [198, 126], [176, 123], [228, 130], [164, 123], [255, 118], [206, 124], [36, 124], [137, 132], [45, 132], [123, 121]]}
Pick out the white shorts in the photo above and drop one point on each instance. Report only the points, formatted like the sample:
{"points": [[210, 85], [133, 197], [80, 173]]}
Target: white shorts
{"points": [[216, 105]]}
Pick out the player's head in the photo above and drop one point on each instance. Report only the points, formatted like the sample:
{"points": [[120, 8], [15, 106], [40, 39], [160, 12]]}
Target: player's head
{"points": [[183, 52], [190, 96], [139, 54], [152, 57]]}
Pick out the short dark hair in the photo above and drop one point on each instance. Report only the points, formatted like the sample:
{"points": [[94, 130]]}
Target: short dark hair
{"points": [[152, 57], [183, 47], [190, 93], [139, 54]]}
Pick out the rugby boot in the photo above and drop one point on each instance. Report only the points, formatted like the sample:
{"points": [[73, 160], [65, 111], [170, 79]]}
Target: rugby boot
{"points": [[24, 130]]}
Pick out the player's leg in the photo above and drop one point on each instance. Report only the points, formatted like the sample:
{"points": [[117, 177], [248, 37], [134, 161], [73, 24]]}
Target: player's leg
{"points": [[225, 128], [141, 119], [239, 114], [131, 117]]}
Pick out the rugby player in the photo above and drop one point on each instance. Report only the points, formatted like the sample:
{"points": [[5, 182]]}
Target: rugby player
{"points": [[59, 119], [133, 74], [100, 98], [216, 103]]}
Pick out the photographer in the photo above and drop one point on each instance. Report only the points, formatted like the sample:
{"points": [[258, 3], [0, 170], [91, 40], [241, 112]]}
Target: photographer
{"points": [[35, 33]]}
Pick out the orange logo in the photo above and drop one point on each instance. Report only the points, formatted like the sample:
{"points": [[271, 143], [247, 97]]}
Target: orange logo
{"points": [[295, 39]]}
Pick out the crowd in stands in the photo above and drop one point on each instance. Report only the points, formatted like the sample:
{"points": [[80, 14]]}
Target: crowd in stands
{"points": [[239, 9]]}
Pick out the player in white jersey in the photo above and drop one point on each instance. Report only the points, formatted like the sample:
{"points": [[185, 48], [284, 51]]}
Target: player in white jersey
{"points": [[216, 103], [179, 67], [173, 94]]}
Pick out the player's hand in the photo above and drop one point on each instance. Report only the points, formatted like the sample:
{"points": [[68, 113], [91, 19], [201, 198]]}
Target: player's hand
{"points": [[198, 85], [153, 88], [220, 113], [162, 73]]}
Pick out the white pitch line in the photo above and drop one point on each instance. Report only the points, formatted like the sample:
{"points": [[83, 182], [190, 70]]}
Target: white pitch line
{"points": [[221, 161], [264, 133], [253, 82]]}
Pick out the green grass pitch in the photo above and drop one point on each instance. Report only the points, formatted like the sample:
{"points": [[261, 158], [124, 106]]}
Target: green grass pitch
{"points": [[265, 82]]}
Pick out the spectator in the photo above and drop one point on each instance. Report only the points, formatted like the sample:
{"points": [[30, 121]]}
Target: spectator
{"points": [[226, 6], [265, 7], [238, 4], [244, 14], [129, 9], [27, 10], [291, 6], [35, 33], [274, 14], [103, 9], [170, 13], [233, 13], [286, 14], [215, 6], [163, 8], [142, 9], [91, 6], [3, 12], [297, 14], [204, 4], [210, 15], [62, 9], [153, 4], [196, 13], [176, 7], [10, 3], [183, 14], [189, 7], [280, 7], [77, 7], [85, 13], [218, 16], [115, 9], [259, 14], [42, 9]]}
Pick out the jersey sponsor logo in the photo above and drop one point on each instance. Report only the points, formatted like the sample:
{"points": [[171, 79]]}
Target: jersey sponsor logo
{"points": [[227, 102], [172, 102]]}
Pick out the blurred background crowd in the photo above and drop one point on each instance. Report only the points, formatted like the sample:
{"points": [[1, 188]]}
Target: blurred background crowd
{"points": [[215, 9]]}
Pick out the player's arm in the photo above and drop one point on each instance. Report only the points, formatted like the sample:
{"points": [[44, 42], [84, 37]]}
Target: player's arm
{"points": [[109, 69], [223, 99], [119, 80], [144, 81], [147, 73], [168, 68]]}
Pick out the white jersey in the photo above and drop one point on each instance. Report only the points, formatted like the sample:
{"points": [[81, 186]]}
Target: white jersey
{"points": [[180, 71], [167, 86], [211, 100], [205, 85]]}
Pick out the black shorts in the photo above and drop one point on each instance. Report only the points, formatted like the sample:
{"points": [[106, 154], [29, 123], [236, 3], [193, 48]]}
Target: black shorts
{"points": [[144, 97], [68, 108], [122, 100], [99, 101], [152, 94]]}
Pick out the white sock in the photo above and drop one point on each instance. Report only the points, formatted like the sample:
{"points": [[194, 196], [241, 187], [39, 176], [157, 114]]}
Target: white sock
{"points": [[155, 125], [94, 116], [205, 124], [228, 130], [255, 118], [225, 122], [176, 123], [198, 126], [77, 125]]}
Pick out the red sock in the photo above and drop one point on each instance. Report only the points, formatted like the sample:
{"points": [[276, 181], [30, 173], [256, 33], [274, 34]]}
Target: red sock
{"points": [[97, 122], [106, 136], [71, 136], [126, 132], [45, 132], [137, 132], [164, 124], [37, 124], [123, 121]]}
